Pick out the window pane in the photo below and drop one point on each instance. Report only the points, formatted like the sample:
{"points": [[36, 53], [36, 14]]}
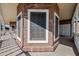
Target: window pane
{"points": [[56, 27], [38, 26], [19, 18]]}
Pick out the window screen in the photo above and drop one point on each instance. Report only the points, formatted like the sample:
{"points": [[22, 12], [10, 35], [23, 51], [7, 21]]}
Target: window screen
{"points": [[38, 26]]}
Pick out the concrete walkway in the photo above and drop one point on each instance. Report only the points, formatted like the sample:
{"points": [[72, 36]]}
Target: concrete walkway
{"points": [[65, 48], [8, 46]]}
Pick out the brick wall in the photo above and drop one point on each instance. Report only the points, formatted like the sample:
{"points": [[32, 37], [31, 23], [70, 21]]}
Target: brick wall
{"points": [[38, 46]]}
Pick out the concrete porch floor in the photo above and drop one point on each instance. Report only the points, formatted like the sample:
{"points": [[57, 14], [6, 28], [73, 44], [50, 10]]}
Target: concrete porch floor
{"points": [[66, 47], [8, 47]]}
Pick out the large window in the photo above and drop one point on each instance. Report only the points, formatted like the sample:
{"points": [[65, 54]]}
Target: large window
{"points": [[38, 26]]}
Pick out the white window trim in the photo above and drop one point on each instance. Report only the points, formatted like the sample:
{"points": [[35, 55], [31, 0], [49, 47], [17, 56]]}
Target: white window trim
{"points": [[21, 26], [56, 15], [47, 18]]}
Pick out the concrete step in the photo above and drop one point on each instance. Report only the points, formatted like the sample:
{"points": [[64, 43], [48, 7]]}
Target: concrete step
{"points": [[8, 49], [9, 52], [15, 53]]}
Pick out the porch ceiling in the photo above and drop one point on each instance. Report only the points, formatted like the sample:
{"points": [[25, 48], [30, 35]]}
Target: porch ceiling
{"points": [[9, 11], [66, 10]]}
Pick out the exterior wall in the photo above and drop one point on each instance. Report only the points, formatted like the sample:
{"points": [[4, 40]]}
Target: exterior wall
{"points": [[75, 26], [38, 46], [66, 28]]}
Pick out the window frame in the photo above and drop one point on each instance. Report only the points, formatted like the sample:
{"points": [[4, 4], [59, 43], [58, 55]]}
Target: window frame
{"points": [[56, 15], [21, 27], [47, 18]]}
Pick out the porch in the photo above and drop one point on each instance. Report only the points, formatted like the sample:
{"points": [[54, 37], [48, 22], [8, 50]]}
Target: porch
{"points": [[66, 47]]}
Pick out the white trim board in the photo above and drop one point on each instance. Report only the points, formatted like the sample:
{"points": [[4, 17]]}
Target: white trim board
{"points": [[47, 18]]}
